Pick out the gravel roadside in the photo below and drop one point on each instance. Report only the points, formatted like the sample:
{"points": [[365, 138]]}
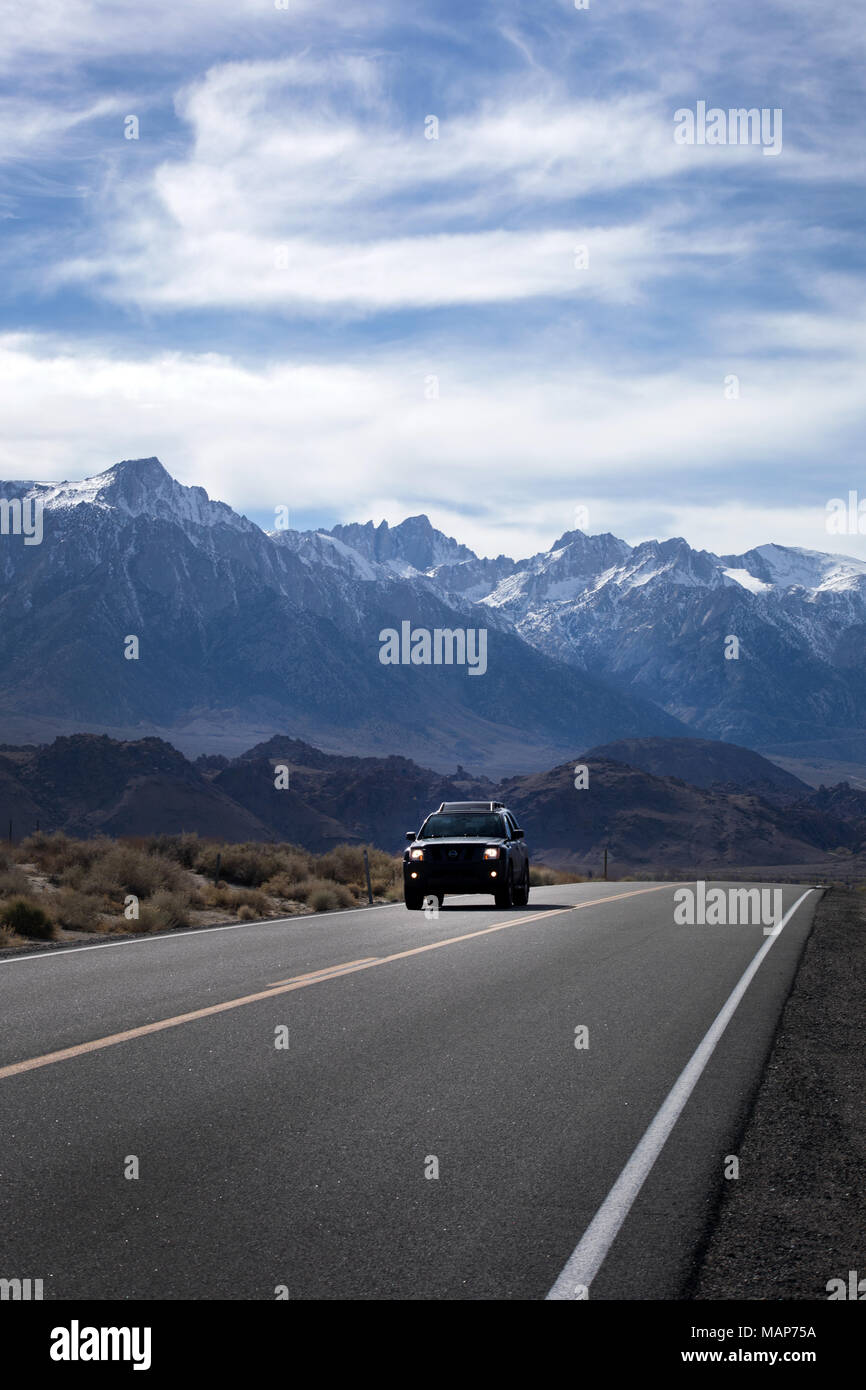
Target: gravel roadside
{"points": [[796, 1216]]}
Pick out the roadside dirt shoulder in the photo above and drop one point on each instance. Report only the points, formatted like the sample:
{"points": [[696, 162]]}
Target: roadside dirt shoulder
{"points": [[795, 1218]]}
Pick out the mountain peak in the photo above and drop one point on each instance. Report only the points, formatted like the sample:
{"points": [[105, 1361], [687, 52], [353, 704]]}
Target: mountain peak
{"points": [[142, 487], [414, 542], [149, 470], [133, 482]]}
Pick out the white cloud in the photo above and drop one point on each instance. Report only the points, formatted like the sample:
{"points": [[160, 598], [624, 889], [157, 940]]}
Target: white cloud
{"points": [[233, 269], [64, 32], [30, 127], [500, 459], [303, 187]]}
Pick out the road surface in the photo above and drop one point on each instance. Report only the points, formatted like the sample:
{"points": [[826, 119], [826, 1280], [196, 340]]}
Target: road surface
{"points": [[415, 1046]]}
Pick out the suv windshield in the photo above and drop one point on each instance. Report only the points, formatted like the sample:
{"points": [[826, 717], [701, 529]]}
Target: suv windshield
{"points": [[461, 825]]}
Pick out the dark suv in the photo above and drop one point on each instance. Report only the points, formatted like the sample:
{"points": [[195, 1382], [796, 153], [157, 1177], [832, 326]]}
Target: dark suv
{"points": [[467, 847]]}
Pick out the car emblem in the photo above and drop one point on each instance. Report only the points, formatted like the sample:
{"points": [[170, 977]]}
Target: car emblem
{"points": [[452, 854]]}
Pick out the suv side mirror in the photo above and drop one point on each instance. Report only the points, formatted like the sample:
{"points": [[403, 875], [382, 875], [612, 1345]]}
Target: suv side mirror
{"points": [[518, 834], [410, 835]]}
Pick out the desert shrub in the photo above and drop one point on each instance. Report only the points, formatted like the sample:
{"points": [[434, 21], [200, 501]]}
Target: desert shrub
{"points": [[172, 908], [232, 899], [287, 888], [76, 911], [344, 863], [324, 898], [542, 877], [27, 918], [292, 862], [248, 864], [7, 937], [72, 877], [294, 869], [215, 897], [280, 886], [253, 898], [164, 911], [13, 882], [246, 913], [386, 875], [184, 849], [60, 857], [148, 920], [123, 869], [323, 895], [39, 845]]}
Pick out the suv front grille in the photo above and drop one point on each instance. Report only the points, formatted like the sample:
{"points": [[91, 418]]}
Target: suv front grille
{"points": [[453, 854]]}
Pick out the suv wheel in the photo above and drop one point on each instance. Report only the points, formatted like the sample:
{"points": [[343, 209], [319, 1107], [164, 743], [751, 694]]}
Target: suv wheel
{"points": [[413, 898], [521, 894], [504, 896]]}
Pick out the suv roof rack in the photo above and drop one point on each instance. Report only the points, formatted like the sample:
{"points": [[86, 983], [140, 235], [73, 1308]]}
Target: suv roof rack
{"points": [[472, 806]]}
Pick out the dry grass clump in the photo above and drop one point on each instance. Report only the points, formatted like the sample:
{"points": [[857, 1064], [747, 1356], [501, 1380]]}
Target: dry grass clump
{"points": [[229, 899], [52, 883], [250, 864], [165, 911], [59, 857], [77, 911], [322, 895], [13, 882], [185, 849], [542, 877], [25, 917], [122, 870]]}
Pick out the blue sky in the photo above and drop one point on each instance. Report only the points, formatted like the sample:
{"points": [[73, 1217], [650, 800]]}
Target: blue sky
{"points": [[293, 297]]}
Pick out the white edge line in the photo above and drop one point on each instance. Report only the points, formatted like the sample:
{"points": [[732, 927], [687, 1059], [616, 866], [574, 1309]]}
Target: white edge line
{"points": [[589, 1255], [179, 934]]}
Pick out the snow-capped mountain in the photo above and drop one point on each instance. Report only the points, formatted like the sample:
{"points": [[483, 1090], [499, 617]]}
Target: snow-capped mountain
{"points": [[138, 488], [242, 635], [657, 617]]}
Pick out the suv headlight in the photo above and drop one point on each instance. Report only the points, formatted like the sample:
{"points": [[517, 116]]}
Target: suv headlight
{"points": [[416, 854], [491, 852]]}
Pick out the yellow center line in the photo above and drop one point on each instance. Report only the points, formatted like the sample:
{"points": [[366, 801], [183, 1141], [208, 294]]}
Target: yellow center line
{"points": [[324, 973], [300, 982]]}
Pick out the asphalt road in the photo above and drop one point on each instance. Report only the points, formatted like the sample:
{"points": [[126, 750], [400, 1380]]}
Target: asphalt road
{"points": [[304, 1166]]}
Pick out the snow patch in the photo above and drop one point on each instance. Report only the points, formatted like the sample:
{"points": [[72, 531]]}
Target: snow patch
{"points": [[747, 581]]}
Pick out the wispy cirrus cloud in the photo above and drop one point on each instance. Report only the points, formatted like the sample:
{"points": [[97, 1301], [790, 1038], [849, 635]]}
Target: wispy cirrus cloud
{"points": [[279, 263], [304, 184]]}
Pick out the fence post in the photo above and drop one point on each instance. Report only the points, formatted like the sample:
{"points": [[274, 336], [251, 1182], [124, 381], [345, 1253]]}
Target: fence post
{"points": [[367, 872], [216, 880], [605, 863]]}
